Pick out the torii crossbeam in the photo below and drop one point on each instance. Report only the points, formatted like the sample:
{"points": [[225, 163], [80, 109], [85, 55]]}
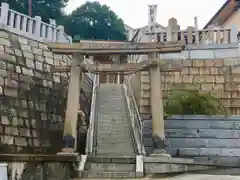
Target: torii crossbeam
{"points": [[93, 48], [115, 47]]}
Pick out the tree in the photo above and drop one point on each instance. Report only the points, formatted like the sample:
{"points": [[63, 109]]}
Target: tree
{"points": [[45, 8], [95, 21], [182, 102]]}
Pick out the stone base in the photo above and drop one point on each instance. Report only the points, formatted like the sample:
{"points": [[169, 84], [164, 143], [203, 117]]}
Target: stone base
{"points": [[67, 154], [164, 155], [160, 153], [68, 151]]}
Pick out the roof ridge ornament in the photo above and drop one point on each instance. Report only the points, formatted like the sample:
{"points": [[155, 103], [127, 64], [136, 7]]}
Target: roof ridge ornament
{"points": [[152, 17]]}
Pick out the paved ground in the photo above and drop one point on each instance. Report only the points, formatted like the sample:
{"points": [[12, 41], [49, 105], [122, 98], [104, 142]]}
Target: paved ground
{"points": [[203, 177], [190, 177]]}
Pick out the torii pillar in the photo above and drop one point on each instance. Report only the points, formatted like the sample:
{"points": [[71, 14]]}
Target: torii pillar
{"points": [[73, 105], [156, 103]]}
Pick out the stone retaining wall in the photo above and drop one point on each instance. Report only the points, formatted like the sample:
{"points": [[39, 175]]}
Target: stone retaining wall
{"points": [[199, 136], [220, 76], [32, 98]]}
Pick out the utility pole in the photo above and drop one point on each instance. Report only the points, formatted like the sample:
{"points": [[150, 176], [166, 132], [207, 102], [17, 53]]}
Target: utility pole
{"points": [[30, 8]]}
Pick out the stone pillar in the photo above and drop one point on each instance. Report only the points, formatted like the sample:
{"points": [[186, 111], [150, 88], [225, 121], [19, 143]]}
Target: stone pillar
{"points": [[37, 29], [196, 23], [172, 30], [73, 105], [118, 78], [108, 79], [157, 111], [117, 60], [4, 13]]}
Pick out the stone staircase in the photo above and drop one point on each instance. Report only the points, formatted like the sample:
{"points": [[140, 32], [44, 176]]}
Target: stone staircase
{"points": [[114, 149], [109, 167], [113, 136]]}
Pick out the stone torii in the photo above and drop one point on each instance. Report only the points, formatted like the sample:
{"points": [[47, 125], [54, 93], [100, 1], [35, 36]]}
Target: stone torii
{"points": [[93, 48], [156, 102]]}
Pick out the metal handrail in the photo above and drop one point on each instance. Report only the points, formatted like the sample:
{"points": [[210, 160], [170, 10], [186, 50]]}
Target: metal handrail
{"points": [[90, 132], [136, 120]]}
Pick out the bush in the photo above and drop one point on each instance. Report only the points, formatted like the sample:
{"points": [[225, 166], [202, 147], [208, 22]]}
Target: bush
{"points": [[193, 102]]}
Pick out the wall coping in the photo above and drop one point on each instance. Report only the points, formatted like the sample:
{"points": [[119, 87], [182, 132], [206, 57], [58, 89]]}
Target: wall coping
{"points": [[196, 117], [211, 46], [203, 117], [21, 33]]}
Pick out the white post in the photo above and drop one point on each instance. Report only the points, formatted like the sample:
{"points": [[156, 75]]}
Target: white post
{"points": [[49, 33], [196, 22], [3, 171], [70, 39], [233, 34], [108, 79], [172, 29], [60, 37], [4, 13], [118, 78], [37, 30]]}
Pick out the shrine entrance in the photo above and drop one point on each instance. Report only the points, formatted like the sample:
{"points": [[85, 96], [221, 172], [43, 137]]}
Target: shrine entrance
{"points": [[108, 59], [113, 77]]}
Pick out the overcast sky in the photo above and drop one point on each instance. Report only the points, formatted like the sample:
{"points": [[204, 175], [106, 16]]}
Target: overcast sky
{"points": [[135, 12]]}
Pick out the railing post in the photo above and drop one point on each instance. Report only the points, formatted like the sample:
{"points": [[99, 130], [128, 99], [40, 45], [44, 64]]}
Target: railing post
{"points": [[233, 34], [172, 29], [4, 13], [196, 30], [70, 39], [3, 171], [60, 37], [37, 30], [196, 23]]}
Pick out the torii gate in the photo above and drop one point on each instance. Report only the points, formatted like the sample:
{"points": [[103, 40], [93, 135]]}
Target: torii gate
{"points": [[93, 48]]}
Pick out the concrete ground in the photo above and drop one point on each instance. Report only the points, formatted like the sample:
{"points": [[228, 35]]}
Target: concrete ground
{"points": [[189, 177], [203, 177]]}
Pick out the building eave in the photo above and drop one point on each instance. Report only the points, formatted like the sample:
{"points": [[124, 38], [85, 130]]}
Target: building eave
{"points": [[224, 12]]}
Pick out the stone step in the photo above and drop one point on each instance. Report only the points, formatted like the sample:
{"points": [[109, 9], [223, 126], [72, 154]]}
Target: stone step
{"points": [[112, 111], [113, 153], [127, 137], [113, 118], [114, 133], [104, 175], [103, 150], [115, 141], [118, 139], [112, 159], [110, 167], [113, 121], [117, 123]]}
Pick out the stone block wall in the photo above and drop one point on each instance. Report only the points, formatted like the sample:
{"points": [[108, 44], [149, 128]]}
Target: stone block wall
{"points": [[221, 77], [199, 136], [32, 98]]}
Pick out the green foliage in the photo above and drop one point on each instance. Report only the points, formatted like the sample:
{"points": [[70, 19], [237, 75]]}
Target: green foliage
{"points": [[193, 102], [44, 8], [90, 21], [95, 21]]}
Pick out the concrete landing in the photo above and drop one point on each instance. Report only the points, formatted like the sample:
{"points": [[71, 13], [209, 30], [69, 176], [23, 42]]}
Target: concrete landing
{"points": [[164, 165], [203, 177], [188, 177]]}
